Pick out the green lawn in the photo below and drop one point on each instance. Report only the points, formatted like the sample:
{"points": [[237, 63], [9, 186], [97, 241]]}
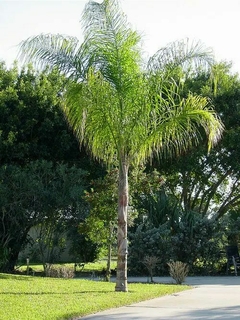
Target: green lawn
{"points": [[36, 298]]}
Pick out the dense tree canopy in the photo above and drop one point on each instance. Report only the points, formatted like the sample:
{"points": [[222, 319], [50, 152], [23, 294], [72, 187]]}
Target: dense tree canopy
{"points": [[30, 195], [41, 174], [209, 184], [32, 124]]}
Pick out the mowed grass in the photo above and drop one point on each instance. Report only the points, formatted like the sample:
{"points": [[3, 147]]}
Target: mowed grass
{"points": [[36, 298]]}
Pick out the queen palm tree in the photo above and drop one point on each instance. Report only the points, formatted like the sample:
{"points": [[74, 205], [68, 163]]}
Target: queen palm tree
{"points": [[120, 109]]}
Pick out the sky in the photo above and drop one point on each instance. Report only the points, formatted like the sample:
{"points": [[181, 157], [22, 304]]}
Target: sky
{"points": [[216, 23]]}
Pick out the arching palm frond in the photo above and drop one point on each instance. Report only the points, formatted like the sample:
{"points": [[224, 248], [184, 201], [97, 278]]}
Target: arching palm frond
{"points": [[191, 57], [63, 52], [180, 125], [91, 109]]}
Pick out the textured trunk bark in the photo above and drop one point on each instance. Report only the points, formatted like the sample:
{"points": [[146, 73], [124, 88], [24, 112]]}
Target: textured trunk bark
{"points": [[121, 280]]}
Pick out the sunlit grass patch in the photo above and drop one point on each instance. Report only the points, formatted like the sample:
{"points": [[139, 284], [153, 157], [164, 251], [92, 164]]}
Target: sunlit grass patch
{"points": [[24, 297]]}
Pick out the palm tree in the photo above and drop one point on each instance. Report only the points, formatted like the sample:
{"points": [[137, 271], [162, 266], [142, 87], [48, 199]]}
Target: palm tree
{"points": [[120, 110]]}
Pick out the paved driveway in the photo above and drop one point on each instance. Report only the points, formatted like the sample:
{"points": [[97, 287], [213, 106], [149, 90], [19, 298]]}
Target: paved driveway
{"points": [[210, 298]]}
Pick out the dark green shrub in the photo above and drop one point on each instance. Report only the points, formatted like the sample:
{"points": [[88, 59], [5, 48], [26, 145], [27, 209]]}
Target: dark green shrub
{"points": [[199, 244], [149, 242]]}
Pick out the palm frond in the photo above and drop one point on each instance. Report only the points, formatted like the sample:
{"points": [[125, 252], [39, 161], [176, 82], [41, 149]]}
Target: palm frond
{"points": [[63, 52], [112, 45], [191, 57], [91, 109], [178, 126], [112, 106], [105, 16]]}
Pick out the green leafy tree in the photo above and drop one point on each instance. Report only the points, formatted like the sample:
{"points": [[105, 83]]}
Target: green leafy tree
{"points": [[209, 184], [118, 110], [33, 129], [170, 233], [39, 193], [100, 224], [32, 126], [81, 248]]}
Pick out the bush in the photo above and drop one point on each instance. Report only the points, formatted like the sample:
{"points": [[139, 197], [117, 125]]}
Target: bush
{"points": [[178, 271], [150, 262], [53, 271], [152, 242], [198, 242]]}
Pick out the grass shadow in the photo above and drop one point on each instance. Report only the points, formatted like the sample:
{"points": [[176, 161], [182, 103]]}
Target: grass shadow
{"points": [[55, 293], [15, 277]]}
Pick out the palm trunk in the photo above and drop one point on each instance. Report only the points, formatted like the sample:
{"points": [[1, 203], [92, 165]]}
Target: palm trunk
{"points": [[121, 281]]}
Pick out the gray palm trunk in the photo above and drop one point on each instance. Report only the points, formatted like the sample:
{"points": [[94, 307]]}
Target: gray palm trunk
{"points": [[121, 281]]}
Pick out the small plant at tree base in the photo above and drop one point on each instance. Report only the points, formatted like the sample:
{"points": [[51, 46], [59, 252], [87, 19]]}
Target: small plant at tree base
{"points": [[178, 271], [150, 263]]}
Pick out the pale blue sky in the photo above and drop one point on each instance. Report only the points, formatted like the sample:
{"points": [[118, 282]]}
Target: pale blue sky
{"points": [[215, 22]]}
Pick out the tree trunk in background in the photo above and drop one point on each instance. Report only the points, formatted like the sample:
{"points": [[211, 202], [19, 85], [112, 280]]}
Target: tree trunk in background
{"points": [[121, 280], [108, 271], [8, 265], [10, 249]]}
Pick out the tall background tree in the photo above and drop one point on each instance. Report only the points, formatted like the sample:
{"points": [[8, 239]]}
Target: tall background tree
{"points": [[119, 110], [38, 193], [42, 171], [209, 184]]}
